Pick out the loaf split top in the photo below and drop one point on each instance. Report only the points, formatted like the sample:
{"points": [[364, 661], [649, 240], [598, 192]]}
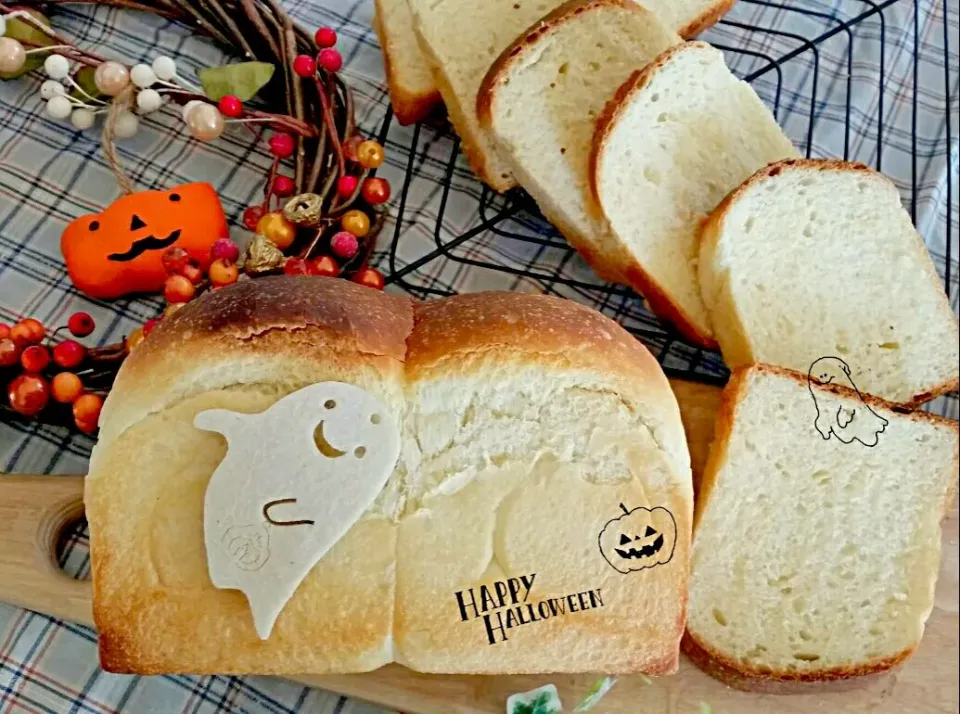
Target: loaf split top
{"points": [[535, 433]]}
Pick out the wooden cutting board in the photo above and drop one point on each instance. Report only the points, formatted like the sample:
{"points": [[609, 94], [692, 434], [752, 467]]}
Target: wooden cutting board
{"points": [[34, 510]]}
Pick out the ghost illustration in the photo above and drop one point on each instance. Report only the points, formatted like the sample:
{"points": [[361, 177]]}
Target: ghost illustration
{"points": [[295, 479], [848, 424]]}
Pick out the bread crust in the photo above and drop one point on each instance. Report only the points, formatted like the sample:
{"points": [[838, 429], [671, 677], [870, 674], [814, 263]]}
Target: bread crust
{"points": [[750, 678], [269, 314], [707, 19], [714, 223], [536, 328], [409, 107], [638, 278]]}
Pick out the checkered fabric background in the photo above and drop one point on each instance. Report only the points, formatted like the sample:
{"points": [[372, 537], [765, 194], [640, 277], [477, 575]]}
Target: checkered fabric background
{"points": [[867, 80]]}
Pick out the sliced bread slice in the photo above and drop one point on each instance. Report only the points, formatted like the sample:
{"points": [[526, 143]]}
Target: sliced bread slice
{"points": [[812, 258], [678, 136], [413, 93], [817, 533], [462, 38], [541, 99]]}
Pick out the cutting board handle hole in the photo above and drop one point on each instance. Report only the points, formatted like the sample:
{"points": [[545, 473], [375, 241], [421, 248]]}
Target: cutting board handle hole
{"points": [[72, 554]]}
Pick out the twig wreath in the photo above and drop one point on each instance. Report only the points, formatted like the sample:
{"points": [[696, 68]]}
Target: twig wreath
{"points": [[321, 220]]}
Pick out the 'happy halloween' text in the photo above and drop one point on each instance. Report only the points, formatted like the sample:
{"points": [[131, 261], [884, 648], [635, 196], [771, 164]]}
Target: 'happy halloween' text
{"points": [[503, 605]]}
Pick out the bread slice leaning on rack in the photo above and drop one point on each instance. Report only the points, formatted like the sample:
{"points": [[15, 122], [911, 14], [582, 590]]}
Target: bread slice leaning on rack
{"points": [[541, 99], [462, 38], [817, 539], [811, 258], [678, 136], [525, 422], [413, 93]]}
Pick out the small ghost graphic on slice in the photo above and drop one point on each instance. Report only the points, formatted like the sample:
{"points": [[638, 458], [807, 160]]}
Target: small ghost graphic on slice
{"points": [[295, 479], [847, 423]]}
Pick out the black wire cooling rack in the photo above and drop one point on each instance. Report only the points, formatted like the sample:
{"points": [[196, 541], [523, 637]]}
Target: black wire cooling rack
{"points": [[861, 80]]}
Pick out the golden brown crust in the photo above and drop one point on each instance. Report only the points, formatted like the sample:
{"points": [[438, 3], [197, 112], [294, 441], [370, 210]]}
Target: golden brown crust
{"points": [[748, 678], [532, 327], [408, 107], [707, 19], [714, 223], [270, 316]]}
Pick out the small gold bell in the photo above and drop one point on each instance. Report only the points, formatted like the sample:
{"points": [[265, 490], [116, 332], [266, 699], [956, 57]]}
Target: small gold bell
{"points": [[304, 210]]}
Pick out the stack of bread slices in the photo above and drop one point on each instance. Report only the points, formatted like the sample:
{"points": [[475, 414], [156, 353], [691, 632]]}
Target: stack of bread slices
{"points": [[817, 539]]}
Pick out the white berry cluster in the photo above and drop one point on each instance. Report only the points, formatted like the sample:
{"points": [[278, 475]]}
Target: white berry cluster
{"points": [[65, 98]]}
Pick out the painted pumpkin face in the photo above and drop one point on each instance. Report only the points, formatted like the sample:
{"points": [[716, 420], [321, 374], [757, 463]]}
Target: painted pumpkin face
{"points": [[640, 538], [119, 251]]}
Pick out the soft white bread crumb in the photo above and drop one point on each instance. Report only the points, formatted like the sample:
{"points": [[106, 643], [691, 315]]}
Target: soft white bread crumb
{"points": [[815, 559], [413, 93], [677, 138], [818, 257], [541, 99]]}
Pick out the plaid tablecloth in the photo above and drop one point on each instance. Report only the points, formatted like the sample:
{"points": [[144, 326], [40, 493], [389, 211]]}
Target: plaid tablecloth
{"points": [[825, 94]]}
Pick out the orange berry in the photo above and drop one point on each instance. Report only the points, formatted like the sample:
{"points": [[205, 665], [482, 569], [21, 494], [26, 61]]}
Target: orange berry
{"points": [[28, 332], [87, 408], [66, 387], [275, 227], [370, 154], [369, 277], [356, 222], [223, 272], [4, 331], [28, 394], [324, 266], [178, 289]]}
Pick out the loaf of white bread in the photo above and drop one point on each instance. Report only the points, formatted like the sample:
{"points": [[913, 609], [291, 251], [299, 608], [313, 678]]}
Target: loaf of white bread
{"points": [[817, 538], [816, 257], [537, 438], [461, 39]]}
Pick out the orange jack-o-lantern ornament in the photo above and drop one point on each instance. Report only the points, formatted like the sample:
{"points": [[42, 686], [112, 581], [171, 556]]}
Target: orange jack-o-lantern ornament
{"points": [[119, 251]]}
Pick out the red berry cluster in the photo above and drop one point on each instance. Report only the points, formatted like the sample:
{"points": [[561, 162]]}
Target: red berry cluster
{"points": [[49, 369]]}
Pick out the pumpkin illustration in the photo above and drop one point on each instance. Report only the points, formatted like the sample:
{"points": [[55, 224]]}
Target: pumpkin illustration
{"points": [[119, 251], [640, 538]]}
